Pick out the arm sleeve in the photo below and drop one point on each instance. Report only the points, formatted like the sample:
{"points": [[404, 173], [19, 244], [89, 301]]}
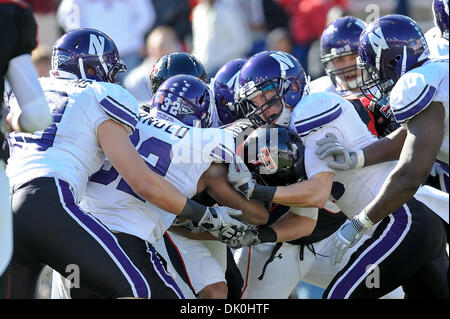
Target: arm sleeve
{"points": [[118, 104], [411, 95], [30, 96]]}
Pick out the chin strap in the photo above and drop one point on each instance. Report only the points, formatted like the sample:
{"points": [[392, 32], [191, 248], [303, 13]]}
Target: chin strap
{"points": [[285, 117]]}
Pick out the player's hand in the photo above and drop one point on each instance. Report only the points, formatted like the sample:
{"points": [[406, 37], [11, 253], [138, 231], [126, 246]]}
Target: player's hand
{"points": [[216, 218], [347, 236], [241, 179], [343, 160], [244, 239], [187, 224]]}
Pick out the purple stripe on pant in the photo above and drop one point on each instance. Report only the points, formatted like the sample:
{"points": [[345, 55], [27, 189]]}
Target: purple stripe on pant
{"points": [[166, 278], [372, 254], [108, 240]]}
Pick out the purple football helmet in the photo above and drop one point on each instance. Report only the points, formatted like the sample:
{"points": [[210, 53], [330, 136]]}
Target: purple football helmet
{"points": [[225, 87], [86, 54], [271, 71], [184, 98], [441, 16], [388, 48], [340, 39]]}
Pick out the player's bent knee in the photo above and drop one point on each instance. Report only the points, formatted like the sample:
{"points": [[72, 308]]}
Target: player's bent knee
{"points": [[218, 290]]}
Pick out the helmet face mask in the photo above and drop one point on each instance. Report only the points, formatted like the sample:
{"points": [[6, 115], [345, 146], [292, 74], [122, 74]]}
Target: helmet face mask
{"points": [[269, 106], [271, 83], [373, 86], [339, 49], [345, 75]]}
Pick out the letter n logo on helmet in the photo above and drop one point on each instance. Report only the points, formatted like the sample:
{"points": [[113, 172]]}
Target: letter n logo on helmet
{"points": [[283, 60], [96, 45], [378, 43]]}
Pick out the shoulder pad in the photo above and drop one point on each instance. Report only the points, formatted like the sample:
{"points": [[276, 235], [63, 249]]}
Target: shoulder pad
{"points": [[117, 102], [316, 110], [322, 84], [415, 90]]}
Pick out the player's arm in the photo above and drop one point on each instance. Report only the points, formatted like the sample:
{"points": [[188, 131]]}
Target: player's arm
{"points": [[34, 113], [313, 192], [187, 233], [385, 149], [115, 142], [297, 223], [417, 157], [292, 226], [219, 189]]}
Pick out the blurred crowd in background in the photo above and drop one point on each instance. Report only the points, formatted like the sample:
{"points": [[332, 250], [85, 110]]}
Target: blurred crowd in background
{"points": [[215, 31]]}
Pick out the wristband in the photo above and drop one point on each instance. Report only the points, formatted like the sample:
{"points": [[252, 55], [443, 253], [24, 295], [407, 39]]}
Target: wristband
{"points": [[360, 158], [362, 221], [193, 211], [267, 234], [263, 193]]}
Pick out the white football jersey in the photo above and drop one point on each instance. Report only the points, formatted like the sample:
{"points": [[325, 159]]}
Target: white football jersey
{"points": [[414, 92], [181, 154], [69, 148], [322, 84], [437, 44], [320, 113]]}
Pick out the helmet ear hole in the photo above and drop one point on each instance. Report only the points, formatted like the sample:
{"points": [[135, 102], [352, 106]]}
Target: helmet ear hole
{"points": [[393, 63], [292, 98]]}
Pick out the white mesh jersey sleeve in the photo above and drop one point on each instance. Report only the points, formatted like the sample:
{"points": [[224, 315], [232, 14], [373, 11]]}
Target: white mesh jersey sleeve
{"points": [[415, 90], [352, 190], [437, 44], [118, 103]]}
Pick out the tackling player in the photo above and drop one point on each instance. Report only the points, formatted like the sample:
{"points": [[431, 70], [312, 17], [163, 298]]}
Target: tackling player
{"points": [[418, 88], [92, 117], [268, 83], [18, 32], [339, 50]]}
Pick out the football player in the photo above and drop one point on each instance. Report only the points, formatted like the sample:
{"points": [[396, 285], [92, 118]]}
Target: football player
{"points": [[224, 86], [437, 37], [18, 32], [418, 88], [296, 240], [268, 84], [171, 64], [184, 155], [92, 117], [339, 50], [289, 240]]}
